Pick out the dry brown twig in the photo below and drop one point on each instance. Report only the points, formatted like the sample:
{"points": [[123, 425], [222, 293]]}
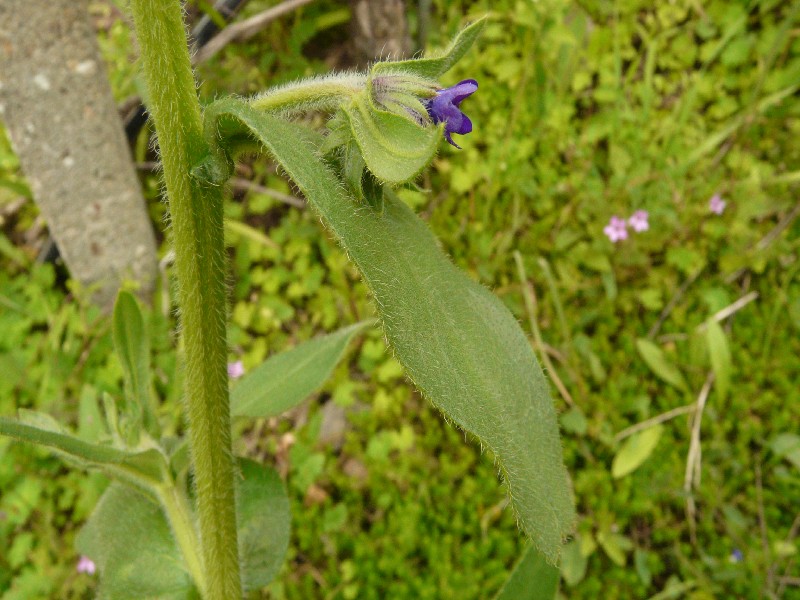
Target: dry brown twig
{"points": [[662, 418], [245, 184], [246, 29], [718, 316], [762, 520], [786, 579], [529, 296], [694, 458]]}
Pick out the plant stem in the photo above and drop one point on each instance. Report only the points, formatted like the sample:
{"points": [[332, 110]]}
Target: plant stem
{"points": [[196, 214], [180, 519]]}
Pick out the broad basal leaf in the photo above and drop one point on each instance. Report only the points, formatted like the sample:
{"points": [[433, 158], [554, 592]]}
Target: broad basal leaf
{"points": [[130, 541], [263, 521], [284, 380], [456, 340]]}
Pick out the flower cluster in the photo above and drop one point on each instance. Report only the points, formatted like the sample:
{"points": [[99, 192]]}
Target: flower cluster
{"points": [[86, 565], [235, 369], [717, 205], [617, 228]]}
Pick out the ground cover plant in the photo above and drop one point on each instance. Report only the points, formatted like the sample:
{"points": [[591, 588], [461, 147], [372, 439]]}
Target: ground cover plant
{"points": [[594, 114]]}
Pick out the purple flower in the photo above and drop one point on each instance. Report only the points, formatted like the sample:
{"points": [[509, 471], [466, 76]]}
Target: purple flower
{"points": [[717, 205], [736, 556], [85, 565], [638, 221], [616, 230], [235, 369], [443, 108]]}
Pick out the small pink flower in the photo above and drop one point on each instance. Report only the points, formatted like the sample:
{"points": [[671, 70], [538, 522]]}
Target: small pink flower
{"points": [[235, 369], [86, 565], [717, 205], [616, 230], [638, 221]]}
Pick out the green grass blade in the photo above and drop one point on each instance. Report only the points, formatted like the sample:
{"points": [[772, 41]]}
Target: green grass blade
{"points": [[284, 380]]}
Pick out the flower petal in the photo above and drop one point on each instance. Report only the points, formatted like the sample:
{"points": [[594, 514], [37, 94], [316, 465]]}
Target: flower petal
{"points": [[461, 90]]}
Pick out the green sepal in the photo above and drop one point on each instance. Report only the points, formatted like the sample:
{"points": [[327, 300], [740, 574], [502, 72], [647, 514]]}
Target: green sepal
{"points": [[394, 147], [338, 133], [373, 191], [353, 168]]}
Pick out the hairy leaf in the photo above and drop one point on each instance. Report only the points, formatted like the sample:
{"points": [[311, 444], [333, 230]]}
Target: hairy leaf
{"points": [[130, 541], [284, 380], [143, 469], [133, 349], [263, 521], [436, 66], [457, 341]]}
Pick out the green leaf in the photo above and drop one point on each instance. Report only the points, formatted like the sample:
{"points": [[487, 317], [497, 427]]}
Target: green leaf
{"points": [[395, 149], [457, 341], [720, 353], [436, 66], [91, 425], [133, 348], [658, 363], [130, 541], [532, 579], [615, 546], [143, 469], [263, 521], [353, 168], [635, 450], [642, 568], [573, 563], [787, 445], [284, 380]]}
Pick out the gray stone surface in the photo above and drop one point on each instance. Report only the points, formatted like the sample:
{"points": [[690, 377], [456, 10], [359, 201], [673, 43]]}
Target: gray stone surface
{"points": [[56, 103]]}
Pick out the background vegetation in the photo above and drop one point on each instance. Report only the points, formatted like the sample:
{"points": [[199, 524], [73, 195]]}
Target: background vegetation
{"points": [[585, 110]]}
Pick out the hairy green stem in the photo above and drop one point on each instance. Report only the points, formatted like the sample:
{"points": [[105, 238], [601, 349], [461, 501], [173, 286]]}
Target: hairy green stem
{"points": [[321, 93], [197, 229], [180, 519]]}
